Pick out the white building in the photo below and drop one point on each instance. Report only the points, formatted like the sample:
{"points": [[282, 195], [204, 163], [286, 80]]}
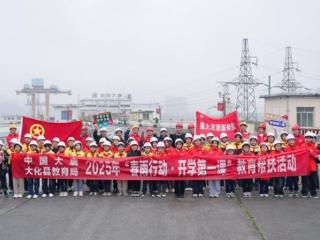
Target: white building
{"points": [[301, 108]]}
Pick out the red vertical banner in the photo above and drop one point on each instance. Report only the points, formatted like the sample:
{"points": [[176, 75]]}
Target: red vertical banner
{"points": [[228, 124]]}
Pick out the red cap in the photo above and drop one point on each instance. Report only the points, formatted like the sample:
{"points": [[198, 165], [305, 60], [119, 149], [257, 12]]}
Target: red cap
{"points": [[149, 129], [262, 125], [295, 126], [190, 125], [179, 124]]}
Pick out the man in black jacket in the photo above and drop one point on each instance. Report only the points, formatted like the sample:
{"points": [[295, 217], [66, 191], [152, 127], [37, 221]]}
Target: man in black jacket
{"points": [[178, 134]]}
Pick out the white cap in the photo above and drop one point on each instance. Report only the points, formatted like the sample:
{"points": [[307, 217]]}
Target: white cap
{"points": [[41, 137], [115, 138], [210, 135], [290, 136], [1, 143], [188, 135], [103, 129], [160, 145], [147, 144], [133, 142], [70, 139], [102, 140], [47, 142], [277, 142], [93, 144], [215, 139], [270, 134], [106, 143], [163, 130], [27, 135], [89, 139], [33, 142], [178, 140], [154, 139], [118, 130], [196, 137], [18, 143], [230, 147], [56, 139], [223, 135], [77, 142], [167, 139], [61, 144], [120, 143], [253, 137], [308, 134]]}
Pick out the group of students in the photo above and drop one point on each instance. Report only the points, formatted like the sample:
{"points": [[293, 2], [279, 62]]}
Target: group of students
{"points": [[133, 143]]}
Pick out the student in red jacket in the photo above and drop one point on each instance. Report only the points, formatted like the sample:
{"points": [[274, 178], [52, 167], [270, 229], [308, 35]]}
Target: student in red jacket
{"points": [[278, 182], [163, 184], [214, 185], [197, 149], [296, 131], [230, 183], [262, 135], [179, 184], [292, 182], [247, 184], [264, 182], [309, 183]]}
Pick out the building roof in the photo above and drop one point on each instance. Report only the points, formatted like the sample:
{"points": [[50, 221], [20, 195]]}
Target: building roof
{"points": [[295, 95]]}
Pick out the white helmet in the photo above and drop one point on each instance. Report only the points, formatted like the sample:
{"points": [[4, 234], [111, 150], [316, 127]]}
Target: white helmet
{"points": [[106, 143], [270, 134], [154, 139], [41, 137], [33, 142], [167, 139], [56, 139], [102, 140], [202, 136], [27, 135], [196, 138], [71, 139], [215, 139], [253, 137], [89, 139], [163, 130], [118, 130], [77, 142], [61, 144], [103, 129], [93, 144], [13, 140], [47, 142], [134, 142], [115, 138], [147, 144], [1, 143], [290, 136], [160, 145], [308, 134], [178, 140], [277, 142], [223, 135], [210, 135], [230, 147], [188, 135], [120, 143]]}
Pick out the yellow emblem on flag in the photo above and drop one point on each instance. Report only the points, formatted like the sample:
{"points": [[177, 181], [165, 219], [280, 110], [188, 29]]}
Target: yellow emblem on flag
{"points": [[36, 130]]}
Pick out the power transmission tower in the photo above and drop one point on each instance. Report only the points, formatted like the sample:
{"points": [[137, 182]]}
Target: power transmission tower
{"points": [[289, 84], [246, 83]]}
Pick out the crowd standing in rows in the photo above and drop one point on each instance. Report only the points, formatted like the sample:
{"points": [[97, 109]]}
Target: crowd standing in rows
{"points": [[133, 143]]}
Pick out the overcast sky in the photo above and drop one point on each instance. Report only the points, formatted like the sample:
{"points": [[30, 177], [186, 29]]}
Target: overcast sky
{"points": [[151, 49]]}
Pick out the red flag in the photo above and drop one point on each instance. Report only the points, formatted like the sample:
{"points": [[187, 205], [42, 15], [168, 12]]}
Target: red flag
{"points": [[228, 124], [50, 129]]}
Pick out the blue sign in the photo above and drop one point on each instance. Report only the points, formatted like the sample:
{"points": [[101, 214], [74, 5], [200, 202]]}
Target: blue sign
{"points": [[275, 123]]}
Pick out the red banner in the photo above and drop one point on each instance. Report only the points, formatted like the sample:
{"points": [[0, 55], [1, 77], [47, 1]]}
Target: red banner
{"points": [[228, 124], [151, 168], [50, 129]]}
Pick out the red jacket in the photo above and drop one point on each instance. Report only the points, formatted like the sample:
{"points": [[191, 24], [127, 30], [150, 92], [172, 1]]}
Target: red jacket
{"points": [[170, 150], [216, 151], [197, 150], [299, 140], [179, 152], [136, 137], [147, 138], [246, 135], [262, 138], [10, 137], [291, 148], [313, 166]]}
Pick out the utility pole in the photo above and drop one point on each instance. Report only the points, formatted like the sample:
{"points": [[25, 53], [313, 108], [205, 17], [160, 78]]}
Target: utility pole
{"points": [[269, 85]]}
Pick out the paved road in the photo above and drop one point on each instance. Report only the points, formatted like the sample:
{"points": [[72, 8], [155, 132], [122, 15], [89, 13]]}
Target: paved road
{"points": [[153, 218]]}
